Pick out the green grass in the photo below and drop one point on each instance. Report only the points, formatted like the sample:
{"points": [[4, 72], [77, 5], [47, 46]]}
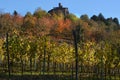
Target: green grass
{"points": [[52, 76]]}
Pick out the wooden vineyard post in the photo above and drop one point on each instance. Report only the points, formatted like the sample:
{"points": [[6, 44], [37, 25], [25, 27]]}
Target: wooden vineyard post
{"points": [[8, 57], [44, 60], [76, 55]]}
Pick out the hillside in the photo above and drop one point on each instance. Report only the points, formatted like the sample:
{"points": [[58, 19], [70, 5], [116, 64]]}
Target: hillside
{"points": [[59, 26], [41, 45]]}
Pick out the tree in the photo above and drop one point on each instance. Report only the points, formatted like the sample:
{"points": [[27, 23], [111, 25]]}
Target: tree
{"points": [[94, 17], [29, 26], [44, 25], [15, 13], [116, 21], [6, 23], [72, 17], [101, 17], [28, 14], [39, 13], [84, 17]]}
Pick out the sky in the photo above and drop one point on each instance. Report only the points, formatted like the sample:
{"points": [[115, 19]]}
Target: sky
{"points": [[109, 8]]}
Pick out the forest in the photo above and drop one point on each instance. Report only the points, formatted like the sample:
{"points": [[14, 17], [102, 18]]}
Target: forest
{"points": [[37, 41]]}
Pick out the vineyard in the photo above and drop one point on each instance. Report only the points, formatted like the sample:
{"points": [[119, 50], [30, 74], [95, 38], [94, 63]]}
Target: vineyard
{"points": [[25, 59], [41, 46]]}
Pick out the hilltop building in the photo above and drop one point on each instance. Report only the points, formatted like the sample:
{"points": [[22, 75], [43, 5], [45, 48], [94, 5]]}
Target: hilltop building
{"points": [[58, 10]]}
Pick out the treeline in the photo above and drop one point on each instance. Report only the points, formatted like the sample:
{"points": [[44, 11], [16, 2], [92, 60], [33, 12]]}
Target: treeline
{"points": [[58, 26], [38, 36]]}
